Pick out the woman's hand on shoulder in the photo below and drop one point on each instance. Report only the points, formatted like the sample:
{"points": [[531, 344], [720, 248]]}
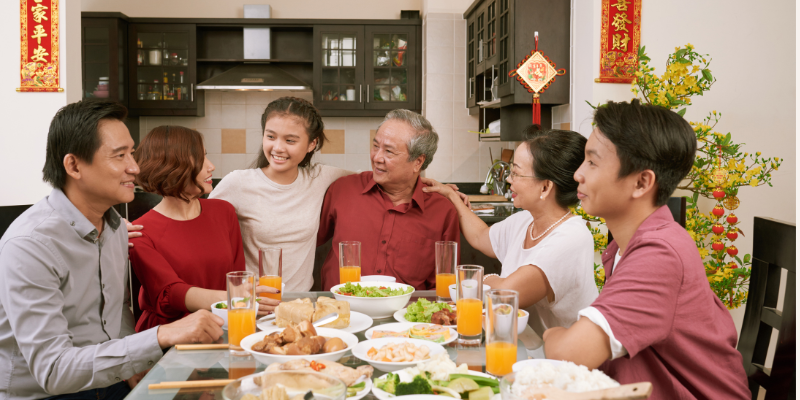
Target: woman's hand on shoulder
{"points": [[449, 191], [133, 231]]}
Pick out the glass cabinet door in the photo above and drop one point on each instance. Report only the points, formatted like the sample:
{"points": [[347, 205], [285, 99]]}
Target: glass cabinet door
{"points": [[390, 75], [163, 70], [103, 58], [339, 72]]}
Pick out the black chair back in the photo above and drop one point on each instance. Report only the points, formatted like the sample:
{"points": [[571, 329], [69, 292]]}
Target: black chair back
{"points": [[8, 214], [773, 251]]}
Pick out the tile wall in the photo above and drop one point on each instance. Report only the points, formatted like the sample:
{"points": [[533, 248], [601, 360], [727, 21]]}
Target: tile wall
{"points": [[461, 157]]}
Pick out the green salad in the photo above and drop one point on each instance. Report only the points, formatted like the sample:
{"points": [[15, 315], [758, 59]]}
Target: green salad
{"points": [[355, 290], [422, 310]]}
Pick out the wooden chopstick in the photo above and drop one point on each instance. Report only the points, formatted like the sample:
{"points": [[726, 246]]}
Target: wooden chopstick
{"points": [[190, 384], [222, 346]]}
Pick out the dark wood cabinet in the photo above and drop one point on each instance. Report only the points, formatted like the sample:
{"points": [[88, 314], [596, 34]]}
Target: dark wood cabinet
{"points": [[500, 33], [104, 58], [366, 69], [163, 70]]}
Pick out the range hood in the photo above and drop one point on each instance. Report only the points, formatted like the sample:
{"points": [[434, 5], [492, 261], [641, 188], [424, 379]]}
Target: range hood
{"points": [[257, 75]]}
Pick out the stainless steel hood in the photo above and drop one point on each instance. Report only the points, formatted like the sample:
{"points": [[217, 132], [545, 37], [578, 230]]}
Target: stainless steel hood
{"points": [[255, 75]]}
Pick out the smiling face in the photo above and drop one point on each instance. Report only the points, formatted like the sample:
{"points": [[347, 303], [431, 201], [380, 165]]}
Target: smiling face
{"points": [[389, 155], [525, 191], [285, 143], [203, 179], [109, 179], [600, 189]]}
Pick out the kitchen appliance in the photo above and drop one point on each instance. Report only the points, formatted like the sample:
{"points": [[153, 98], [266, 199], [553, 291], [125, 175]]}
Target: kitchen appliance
{"points": [[258, 74]]}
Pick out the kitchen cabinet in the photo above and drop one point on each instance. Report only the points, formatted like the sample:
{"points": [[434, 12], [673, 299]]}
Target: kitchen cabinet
{"points": [[366, 70], [163, 70], [500, 33], [104, 57]]}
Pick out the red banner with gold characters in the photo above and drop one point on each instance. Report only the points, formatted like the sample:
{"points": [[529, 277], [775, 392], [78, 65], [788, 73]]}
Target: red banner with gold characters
{"points": [[619, 40], [39, 46]]}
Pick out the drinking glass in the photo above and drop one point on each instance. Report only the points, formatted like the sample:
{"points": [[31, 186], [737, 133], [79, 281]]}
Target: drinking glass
{"points": [[502, 307], [241, 308], [239, 366], [469, 291], [270, 270], [349, 262], [445, 268]]}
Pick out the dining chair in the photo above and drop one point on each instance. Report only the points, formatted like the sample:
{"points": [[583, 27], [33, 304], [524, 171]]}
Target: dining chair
{"points": [[773, 251]]}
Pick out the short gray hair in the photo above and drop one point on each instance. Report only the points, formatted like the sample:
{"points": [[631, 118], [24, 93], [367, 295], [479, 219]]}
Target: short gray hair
{"points": [[425, 139]]}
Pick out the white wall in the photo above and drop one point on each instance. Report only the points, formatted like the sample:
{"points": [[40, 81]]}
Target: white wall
{"points": [[323, 9], [26, 116]]}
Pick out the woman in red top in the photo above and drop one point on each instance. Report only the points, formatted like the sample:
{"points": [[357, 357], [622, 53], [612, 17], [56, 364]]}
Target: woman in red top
{"points": [[190, 243]]}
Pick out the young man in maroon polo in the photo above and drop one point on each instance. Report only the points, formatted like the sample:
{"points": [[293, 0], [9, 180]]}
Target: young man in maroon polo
{"points": [[386, 210], [656, 319]]}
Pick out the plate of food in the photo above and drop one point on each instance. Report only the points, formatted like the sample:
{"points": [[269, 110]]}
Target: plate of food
{"points": [[392, 354], [439, 376], [428, 312], [358, 380], [299, 341], [432, 332], [300, 310], [526, 382], [285, 385], [375, 299]]}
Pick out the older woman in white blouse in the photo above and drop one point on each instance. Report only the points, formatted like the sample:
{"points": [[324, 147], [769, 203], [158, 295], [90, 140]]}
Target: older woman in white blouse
{"points": [[547, 253]]}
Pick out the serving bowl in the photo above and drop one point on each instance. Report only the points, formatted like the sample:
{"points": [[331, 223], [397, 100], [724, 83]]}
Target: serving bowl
{"points": [[535, 362], [324, 387], [348, 338], [376, 307], [379, 278], [522, 321], [360, 351]]}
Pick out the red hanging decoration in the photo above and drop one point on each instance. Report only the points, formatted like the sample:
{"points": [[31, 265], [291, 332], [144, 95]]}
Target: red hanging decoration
{"points": [[536, 72]]}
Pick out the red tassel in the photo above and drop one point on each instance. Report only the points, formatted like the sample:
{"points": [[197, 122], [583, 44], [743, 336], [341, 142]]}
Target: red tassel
{"points": [[537, 110]]}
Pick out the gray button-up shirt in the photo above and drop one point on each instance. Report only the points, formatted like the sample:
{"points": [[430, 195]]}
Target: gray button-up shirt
{"points": [[65, 321]]}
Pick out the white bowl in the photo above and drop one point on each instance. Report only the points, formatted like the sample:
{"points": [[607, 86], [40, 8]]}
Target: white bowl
{"points": [[452, 289], [376, 307], [522, 321], [349, 339], [223, 312], [379, 278], [534, 362], [361, 349]]}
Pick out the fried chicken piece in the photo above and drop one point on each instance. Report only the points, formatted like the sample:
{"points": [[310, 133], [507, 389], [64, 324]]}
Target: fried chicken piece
{"points": [[290, 334], [306, 329], [443, 317]]}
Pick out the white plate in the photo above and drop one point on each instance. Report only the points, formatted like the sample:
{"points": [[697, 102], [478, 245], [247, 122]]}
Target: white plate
{"points": [[349, 339], [534, 363], [403, 326], [376, 307], [404, 377], [358, 322], [400, 316], [360, 351], [363, 392]]}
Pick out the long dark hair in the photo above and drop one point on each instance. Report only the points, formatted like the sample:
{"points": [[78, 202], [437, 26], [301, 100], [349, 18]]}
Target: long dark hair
{"points": [[556, 156], [298, 108]]}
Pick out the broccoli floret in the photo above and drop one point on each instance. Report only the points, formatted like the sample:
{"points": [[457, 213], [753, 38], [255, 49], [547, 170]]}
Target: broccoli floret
{"points": [[388, 383], [419, 385]]}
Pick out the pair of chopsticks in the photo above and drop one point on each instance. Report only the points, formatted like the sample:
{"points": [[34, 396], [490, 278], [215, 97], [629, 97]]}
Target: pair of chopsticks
{"points": [[190, 384], [221, 346]]}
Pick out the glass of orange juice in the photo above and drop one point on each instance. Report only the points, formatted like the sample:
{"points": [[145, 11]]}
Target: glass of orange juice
{"points": [[270, 270], [445, 268], [469, 307], [501, 330], [241, 308], [349, 262]]}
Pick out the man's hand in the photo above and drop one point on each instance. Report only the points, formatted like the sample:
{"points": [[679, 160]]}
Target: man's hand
{"points": [[133, 231], [266, 305], [134, 380], [199, 327]]}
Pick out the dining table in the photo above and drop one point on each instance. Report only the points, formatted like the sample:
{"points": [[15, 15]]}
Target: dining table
{"points": [[217, 364]]}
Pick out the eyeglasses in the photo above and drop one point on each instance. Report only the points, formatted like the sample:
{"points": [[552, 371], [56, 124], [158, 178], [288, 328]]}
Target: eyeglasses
{"points": [[515, 175]]}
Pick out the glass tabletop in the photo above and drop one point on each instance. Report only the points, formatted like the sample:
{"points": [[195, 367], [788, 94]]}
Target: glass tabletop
{"points": [[221, 364]]}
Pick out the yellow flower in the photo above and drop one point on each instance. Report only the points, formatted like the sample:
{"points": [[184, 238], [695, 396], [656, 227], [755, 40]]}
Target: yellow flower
{"points": [[703, 252], [754, 182], [758, 153]]}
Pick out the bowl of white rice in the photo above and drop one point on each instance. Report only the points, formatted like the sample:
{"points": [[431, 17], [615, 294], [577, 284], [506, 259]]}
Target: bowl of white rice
{"points": [[524, 382]]}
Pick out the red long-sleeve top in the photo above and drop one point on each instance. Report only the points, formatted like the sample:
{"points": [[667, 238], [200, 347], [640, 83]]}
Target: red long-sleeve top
{"points": [[173, 256], [397, 240]]}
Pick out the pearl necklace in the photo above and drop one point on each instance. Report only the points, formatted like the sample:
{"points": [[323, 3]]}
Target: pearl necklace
{"points": [[530, 230]]}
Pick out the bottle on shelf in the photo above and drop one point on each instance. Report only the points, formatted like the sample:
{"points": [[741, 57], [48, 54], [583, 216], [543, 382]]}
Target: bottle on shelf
{"points": [[167, 93], [181, 76]]}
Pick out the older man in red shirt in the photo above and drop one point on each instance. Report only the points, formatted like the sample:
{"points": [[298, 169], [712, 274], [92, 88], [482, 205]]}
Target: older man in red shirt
{"points": [[386, 210]]}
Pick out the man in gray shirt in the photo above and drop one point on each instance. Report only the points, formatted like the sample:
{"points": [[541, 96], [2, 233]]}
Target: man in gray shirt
{"points": [[65, 321]]}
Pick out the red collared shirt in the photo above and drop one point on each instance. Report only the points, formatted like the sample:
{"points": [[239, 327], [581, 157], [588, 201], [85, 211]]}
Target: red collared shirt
{"points": [[395, 240]]}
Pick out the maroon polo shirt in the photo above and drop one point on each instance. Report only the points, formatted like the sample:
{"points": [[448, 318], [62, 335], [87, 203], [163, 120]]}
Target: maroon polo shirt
{"points": [[678, 334], [395, 240]]}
